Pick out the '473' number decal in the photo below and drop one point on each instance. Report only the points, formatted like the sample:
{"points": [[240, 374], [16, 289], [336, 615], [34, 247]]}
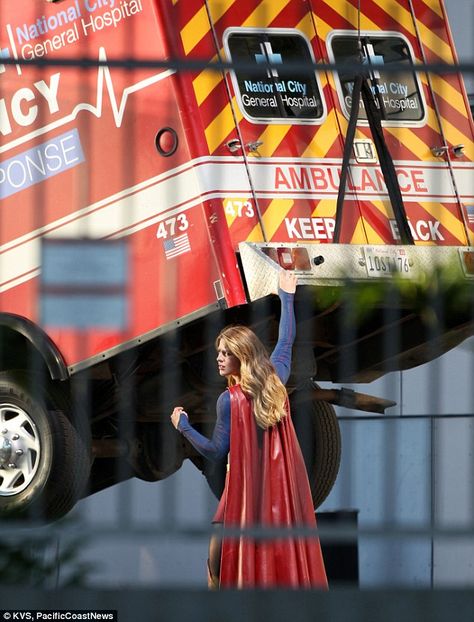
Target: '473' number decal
{"points": [[173, 225], [236, 208]]}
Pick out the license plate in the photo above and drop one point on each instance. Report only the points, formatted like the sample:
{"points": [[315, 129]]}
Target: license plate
{"points": [[387, 261]]}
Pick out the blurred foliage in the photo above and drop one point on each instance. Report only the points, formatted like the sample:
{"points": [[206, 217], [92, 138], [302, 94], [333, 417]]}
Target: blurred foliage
{"points": [[46, 560], [439, 296]]}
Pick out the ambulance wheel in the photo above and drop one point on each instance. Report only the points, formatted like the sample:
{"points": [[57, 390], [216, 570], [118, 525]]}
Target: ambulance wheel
{"points": [[158, 452], [44, 461], [319, 436]]}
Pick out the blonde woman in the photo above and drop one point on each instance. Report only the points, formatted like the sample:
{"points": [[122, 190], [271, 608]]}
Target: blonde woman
{"points": [[266, 483]]}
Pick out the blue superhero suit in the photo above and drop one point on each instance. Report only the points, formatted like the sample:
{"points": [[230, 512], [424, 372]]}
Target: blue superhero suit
{"points": [[217, 447]]}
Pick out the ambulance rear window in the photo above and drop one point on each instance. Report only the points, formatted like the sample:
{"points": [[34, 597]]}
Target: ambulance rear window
{"points": [[398, 94], [274, 95]]}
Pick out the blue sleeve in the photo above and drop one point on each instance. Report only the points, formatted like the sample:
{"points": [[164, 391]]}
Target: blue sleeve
{"points": [[281, 355], [218, 446]]}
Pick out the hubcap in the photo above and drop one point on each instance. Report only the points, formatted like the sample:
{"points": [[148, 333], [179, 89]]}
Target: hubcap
{"points": [[20, 450], [5, 451]]}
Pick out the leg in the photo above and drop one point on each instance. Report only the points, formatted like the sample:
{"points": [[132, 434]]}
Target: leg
{"points": [[214, 561]]}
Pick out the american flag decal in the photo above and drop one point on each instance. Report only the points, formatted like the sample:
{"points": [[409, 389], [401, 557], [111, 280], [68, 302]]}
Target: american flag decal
{"points": [[177, 246], [470, 214]]}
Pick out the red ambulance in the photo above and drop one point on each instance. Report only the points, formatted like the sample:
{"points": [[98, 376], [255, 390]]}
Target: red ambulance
{"points": [[150, 195]]}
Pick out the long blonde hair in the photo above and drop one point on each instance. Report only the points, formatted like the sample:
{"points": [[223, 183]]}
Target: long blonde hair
{"points": [[258, 378]]}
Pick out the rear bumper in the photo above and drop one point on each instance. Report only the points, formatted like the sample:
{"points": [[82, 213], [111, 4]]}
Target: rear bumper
{"points": [[338, 264]]}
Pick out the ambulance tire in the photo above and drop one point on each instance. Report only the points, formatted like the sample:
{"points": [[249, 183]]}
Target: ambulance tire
{"points": [[51, 458], [158, 452], [319, 436]]}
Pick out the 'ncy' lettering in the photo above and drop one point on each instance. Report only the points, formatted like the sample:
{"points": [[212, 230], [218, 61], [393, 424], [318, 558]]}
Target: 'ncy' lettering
{"points": [[25, 103]]}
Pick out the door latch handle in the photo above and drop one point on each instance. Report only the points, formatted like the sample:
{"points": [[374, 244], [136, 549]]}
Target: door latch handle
{"points": [[233, 145]]}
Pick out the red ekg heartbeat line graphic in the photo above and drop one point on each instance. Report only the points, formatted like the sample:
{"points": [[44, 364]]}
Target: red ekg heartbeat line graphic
{"points": [[104, 79]]}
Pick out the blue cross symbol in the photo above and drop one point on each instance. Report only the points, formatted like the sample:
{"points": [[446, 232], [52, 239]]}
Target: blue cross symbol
{"points": [[268, 56]]}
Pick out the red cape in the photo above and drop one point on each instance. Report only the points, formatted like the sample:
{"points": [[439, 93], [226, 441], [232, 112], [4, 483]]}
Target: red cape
{"points": [[267, 486]]}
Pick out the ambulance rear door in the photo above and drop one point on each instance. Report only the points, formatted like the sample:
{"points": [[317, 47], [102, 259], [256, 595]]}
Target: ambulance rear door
{"points": [[420, 131], [288, 129], [292, 126]]}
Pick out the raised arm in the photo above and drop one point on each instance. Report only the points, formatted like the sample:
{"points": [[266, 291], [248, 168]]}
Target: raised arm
{"points": [[217, 447], [281, 355]]}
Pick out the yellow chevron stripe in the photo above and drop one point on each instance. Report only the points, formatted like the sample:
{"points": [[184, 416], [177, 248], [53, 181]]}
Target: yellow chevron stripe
{"points": [[455, 137], [264, 13], [384, 207], [434, 5], [358, 236], [322, 28], [198, 26], [326, 208], [218, 8], [451, 132], [195, 29], [272, 218], [255, 235], [363, 233], [445, 90], [349, 12], [435, 43], [411, 141], [431, 122], [205, 82], [306, 25], [221, 126], [271, 137], [449, 93], [448, 220], [431, 118], [230, 219], [372, 236], [324, 137], [429, 38]]}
